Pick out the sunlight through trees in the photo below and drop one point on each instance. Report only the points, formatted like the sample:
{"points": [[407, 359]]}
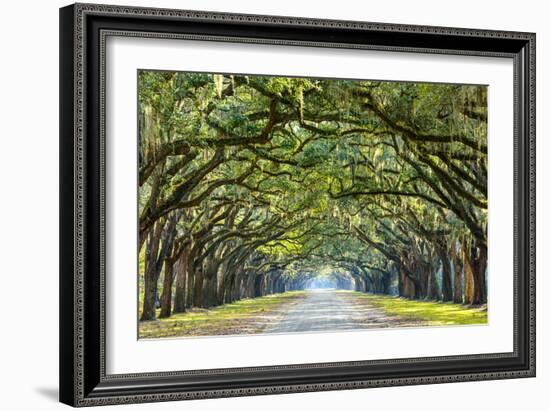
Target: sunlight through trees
{"points": [[252, 185]]}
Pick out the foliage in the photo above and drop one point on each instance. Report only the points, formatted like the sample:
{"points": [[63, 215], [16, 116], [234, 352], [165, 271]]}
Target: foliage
{"points": [[274, 176]]}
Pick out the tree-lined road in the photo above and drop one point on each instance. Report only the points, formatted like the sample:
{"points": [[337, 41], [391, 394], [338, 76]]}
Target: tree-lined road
{"points": [[312, 310], [329, 309], [251, 186]]}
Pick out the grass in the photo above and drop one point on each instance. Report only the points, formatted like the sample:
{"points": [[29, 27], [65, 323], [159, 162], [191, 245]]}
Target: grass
{"points": [[247, 316], [253, 315], [436, 313]]}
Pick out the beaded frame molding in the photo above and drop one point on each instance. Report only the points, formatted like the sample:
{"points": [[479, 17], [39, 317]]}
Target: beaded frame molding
{"points": [[83, 32]]}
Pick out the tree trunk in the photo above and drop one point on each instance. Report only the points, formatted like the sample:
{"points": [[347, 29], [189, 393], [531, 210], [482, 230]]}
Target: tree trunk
{"points": [[433, 286], [150, 277], [190, 282], [408, 287], [259, 286], [457, 268], [249, 285], [425, 272], [479, 267], [228, 288], [198, 286], [181, 280], [400, 282], [446, 283], [386, 282], [468, 275], [210, 295], [166, 241], [269, 283], [237, 291], [210, 286], [166, 296], [358, 285], [222, 288], [280, 286]]}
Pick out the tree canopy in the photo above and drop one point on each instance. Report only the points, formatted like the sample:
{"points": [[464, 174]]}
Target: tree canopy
{"points": [[250, 185]]}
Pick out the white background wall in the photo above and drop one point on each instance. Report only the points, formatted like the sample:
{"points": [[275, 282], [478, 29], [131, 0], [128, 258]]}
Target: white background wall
{"points": [[29, 204]]}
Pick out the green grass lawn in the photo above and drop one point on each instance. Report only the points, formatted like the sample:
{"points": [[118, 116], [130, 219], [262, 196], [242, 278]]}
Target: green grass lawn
{"points": [[247, 316], [253, 315], [437, 313]]}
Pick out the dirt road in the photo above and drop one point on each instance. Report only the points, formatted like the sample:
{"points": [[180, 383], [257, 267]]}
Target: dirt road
{"points": [[329, 309]]}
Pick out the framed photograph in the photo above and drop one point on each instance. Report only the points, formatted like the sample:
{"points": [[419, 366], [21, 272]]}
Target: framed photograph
{"points": [[260, 205]]}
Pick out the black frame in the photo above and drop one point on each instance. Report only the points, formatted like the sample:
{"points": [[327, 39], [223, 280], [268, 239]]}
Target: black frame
{"points": [[83, 30]]}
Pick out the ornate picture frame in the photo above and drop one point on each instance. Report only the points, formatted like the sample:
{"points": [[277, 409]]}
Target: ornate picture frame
{"points": [[84, 29]]}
